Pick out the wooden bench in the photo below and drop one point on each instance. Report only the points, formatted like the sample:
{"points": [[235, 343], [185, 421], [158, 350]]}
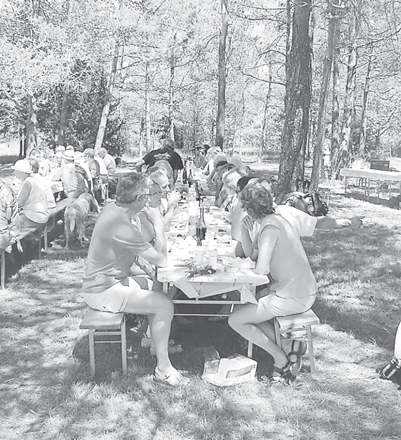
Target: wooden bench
{"points": [[23, 233], [105, 324], [43, 232]]}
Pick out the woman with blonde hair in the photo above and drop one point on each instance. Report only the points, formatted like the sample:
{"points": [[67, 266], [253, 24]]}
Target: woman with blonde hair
{"points": [[279, 253]]}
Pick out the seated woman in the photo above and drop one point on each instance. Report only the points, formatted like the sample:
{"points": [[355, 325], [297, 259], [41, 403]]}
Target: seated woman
{"points": [[31, 197], [279, 253], [115, 244], [44, 183], [227, 199]]}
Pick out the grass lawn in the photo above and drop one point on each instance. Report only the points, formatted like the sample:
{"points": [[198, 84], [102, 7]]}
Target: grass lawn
{"points": [[46, 392]]}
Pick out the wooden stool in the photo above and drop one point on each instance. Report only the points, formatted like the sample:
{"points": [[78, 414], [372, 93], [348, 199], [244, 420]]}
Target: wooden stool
{"points": [[98, 323], [301, 321]]}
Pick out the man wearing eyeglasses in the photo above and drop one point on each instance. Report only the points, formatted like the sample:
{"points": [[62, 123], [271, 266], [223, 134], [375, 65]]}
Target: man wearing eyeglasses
{"points": [[115, 245]]}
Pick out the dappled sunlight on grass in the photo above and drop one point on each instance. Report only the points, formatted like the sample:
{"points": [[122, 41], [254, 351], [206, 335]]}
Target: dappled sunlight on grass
{"points": [[46, 392]]}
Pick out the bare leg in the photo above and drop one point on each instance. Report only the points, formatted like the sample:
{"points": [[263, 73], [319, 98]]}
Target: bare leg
{"points": [[249, 321], [160, 311]]}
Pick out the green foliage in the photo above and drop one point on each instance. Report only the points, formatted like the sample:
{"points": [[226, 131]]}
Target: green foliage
{"points": [[85, 104]]}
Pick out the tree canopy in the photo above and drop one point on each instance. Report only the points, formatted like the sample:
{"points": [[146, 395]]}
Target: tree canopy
{"points": [[150, 69]]}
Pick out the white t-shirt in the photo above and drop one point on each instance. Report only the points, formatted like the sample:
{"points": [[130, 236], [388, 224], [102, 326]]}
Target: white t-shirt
{"points": [[290, 271]]}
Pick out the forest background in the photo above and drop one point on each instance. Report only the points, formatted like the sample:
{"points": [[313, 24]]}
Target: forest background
{"points": [[281, 79]]}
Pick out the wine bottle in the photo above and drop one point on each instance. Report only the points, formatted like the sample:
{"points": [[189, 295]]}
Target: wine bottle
{"points": [[190, 178], [197, 192], [201, 227], [185, 174]]}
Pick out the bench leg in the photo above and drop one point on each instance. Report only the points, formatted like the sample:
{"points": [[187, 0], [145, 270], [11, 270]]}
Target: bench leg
{"points": [[277, 335], [124, 347], [92, 352], [310, 345], [45, 242]]}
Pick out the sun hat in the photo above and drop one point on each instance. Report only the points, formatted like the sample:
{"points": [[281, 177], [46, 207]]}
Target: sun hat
{"points": [[69, 155], [69, 148], [23, 166]]}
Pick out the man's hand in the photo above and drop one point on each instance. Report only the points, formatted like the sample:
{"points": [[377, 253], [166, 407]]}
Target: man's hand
{"points": [[173, 198], [247, 223]]}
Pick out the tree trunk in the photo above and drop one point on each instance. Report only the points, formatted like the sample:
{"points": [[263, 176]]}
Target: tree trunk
{"points": [[297, 96], [345, 148], [63, 114], [335, 114], [30, 128], [171, 89], [362, 138], [221, 104], [263, 143], [21, 143], [324, 91], [147, 110], [108, 97]]}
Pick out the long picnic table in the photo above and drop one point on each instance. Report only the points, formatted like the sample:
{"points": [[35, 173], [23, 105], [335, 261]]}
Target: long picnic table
{"points": [[366, 175], [232, 273]]}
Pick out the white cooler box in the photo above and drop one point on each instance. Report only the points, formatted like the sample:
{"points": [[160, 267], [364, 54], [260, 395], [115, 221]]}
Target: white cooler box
{"points": [[233, 370]]}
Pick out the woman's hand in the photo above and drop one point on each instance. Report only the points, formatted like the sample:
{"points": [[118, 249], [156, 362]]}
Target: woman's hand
{"points": [[247, 223]]}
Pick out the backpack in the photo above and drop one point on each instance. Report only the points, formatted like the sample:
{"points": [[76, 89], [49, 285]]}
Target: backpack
{"points": [[310, 203]]}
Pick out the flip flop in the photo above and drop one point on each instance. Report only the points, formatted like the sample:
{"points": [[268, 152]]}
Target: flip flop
{"points": [[170, 378]]}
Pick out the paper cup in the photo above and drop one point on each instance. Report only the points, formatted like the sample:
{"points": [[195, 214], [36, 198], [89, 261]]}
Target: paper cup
{"points": [[199, 252], [212, 254]]}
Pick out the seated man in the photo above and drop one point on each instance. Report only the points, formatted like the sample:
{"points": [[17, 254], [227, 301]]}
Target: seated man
{"points": [[111, 166], [166, 153], [161, 198], [115, 245], [96, 169], [74, 183], [9, 219]]}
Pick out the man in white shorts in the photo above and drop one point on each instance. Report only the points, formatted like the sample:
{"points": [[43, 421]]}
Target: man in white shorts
{"points": [[115, 245]]}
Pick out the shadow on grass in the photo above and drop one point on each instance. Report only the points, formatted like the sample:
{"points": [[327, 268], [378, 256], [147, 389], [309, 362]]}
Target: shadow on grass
{"points": [[358, 284]]}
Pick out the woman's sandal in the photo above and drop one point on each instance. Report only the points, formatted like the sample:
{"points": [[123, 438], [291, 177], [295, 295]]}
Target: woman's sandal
{"points": [[295, 357], [282, 375], [171, 378]]}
